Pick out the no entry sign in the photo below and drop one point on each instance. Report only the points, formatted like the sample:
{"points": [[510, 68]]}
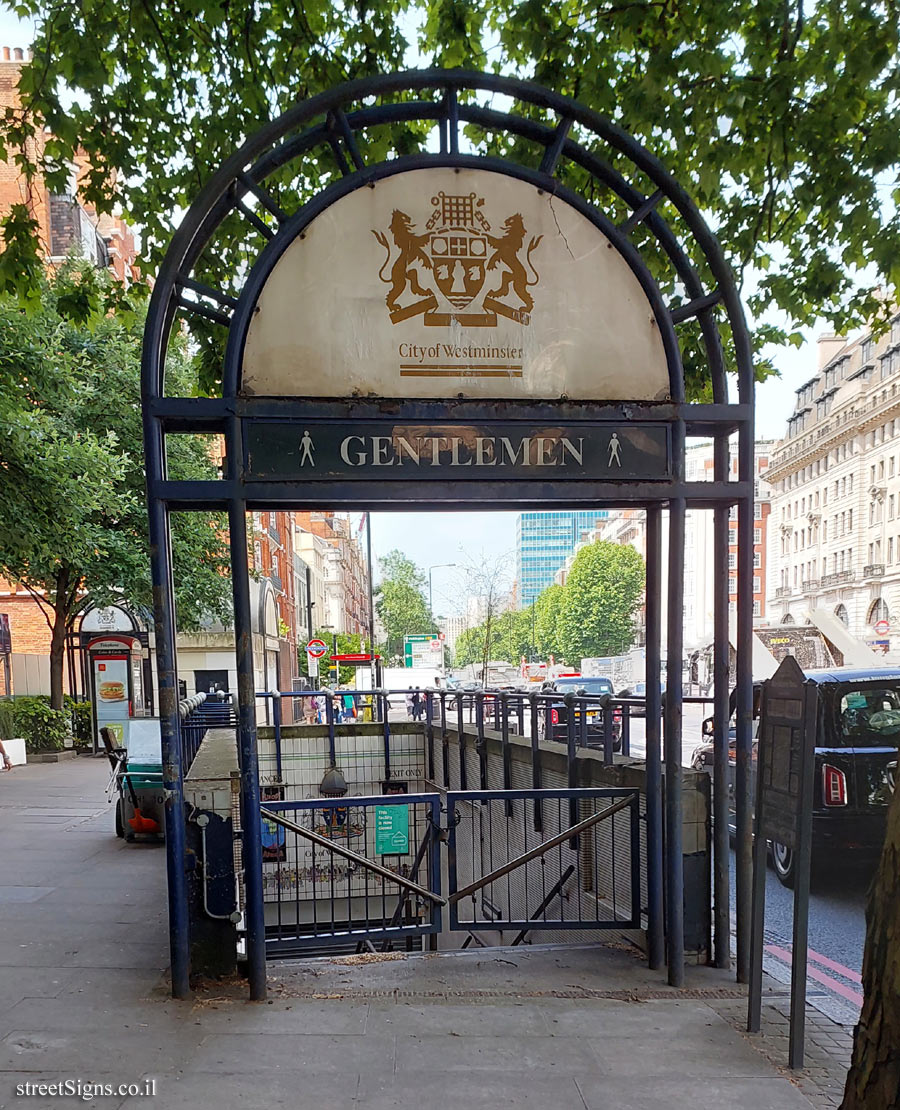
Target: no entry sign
{"points": [[316, 648]]}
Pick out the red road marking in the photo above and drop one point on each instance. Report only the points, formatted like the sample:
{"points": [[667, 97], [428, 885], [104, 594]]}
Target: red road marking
{"points": [[834, 966], [839, 988]]}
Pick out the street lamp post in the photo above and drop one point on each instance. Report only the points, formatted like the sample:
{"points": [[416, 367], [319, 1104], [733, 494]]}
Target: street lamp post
{"points": [[436, 566]]}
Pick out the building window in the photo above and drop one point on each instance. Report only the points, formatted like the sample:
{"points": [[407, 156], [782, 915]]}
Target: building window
{"points": [[890, 550], [878, 612], [757, 585], [757, 560], [732, 585], [891, 507], [757, 608], [732, 560]]}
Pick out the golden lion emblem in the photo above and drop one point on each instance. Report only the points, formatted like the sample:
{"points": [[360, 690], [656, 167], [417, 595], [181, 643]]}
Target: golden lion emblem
{"points": [[457, 269]]}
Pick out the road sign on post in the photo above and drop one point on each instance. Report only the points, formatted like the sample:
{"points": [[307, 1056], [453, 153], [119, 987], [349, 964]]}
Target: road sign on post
{"points": [[316, 648], [417, 649]]}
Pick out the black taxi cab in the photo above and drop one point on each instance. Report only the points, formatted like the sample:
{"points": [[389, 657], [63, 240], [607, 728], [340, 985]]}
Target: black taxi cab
{"points": [[857, 736]]}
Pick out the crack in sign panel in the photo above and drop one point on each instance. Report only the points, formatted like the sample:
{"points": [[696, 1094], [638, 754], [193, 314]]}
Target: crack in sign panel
{"points": [[559, 229]]}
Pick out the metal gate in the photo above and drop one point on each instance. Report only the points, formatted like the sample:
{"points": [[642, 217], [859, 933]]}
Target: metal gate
{"points": [[345, 873], [556, 860]]}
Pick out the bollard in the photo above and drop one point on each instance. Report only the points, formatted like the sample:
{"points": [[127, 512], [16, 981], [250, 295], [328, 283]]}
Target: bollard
{"points": [[536, 778], [429, 733]]}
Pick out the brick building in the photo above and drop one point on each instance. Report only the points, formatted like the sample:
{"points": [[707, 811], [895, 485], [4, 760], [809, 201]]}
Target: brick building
{"points": [[346, 574], [64, 223]]}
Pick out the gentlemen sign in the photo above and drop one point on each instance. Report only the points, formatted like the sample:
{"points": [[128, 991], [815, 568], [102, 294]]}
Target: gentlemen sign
{"points": [[394, 451]]}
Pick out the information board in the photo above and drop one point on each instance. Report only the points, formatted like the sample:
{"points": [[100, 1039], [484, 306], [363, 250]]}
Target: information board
{"points": [[392, 830], [783, 742]]}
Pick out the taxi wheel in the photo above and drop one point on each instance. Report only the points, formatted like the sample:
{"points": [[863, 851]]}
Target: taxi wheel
{"points": [[783, 862]]}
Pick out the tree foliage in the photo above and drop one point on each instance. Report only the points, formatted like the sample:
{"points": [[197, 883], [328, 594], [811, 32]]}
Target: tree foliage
{"points": [[592, 614], [73, 516], [547, 609], [400, 602], [602, 594], [506, 637], [779, 119]]}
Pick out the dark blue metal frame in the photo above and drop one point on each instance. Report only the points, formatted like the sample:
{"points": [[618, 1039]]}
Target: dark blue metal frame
{"points": [[538, 797], [573, 134]]}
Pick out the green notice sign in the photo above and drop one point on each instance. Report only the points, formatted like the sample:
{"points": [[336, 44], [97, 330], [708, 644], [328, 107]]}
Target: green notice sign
{"points": [[392, 830]]}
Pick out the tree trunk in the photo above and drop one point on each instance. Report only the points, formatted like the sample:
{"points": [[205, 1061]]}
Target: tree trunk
{"points": [[58, 637], [873, 1082]]}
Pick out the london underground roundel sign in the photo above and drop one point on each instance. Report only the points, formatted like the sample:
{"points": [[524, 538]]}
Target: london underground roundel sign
{"points": [[316, 648]]}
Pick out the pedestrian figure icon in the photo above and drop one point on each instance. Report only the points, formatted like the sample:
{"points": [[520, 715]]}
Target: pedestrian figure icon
{"points": [[306, 448], [614, 451]]}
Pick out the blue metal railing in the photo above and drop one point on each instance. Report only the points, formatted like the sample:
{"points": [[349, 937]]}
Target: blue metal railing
{"points": [[596, 721], [341, 877], [197, 714], [508, 888]]}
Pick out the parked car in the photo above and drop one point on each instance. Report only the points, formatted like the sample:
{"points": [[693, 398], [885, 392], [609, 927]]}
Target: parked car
{"points": [[858, 730], [639, 690], [555, 719]]}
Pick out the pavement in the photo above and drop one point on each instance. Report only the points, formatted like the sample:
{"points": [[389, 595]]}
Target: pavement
{"points": [[84, 1000]]}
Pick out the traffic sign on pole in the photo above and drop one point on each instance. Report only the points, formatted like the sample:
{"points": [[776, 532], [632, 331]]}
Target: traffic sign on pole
{"points": [[316, 648]]}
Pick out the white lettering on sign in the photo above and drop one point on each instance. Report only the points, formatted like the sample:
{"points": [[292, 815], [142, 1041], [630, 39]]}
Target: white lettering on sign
{"points": [[457, 451]]}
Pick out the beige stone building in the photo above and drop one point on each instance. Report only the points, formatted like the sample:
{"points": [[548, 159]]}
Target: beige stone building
{"points": [[835, 525]]}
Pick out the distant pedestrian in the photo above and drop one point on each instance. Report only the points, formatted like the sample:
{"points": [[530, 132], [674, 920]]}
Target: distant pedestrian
{"points": [[418, 704], [7, 762], [410, 703]]}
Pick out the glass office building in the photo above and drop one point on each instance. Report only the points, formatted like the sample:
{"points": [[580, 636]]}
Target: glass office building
{"points": [[543, 541]]}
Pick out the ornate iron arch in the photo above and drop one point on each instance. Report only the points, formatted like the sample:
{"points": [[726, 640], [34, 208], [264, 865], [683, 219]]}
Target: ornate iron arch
{"points": [[264, 196], [336, 127]]}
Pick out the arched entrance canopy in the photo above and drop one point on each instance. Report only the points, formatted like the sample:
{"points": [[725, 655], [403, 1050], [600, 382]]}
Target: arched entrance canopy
{"points": [[455, 289], [372, 135]]}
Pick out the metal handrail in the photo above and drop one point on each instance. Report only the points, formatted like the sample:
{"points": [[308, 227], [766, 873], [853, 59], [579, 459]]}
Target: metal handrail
{"points": [[354, 857], [533, 853]]}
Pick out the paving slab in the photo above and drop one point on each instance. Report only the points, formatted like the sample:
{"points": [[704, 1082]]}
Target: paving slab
{"points": [[413, 1091], [83, 953], [320, 1054]]}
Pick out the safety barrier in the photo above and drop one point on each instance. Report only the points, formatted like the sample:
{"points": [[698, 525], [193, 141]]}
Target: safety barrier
{"points": [[351, 871], [197, 714]]}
